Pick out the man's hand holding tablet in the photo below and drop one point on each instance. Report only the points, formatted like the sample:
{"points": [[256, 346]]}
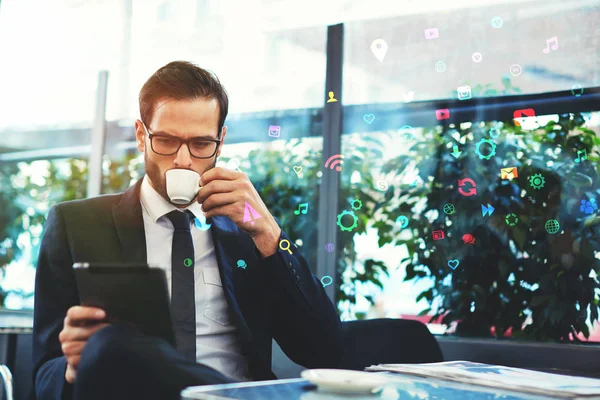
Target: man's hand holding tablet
{"points": [[79, 324]]}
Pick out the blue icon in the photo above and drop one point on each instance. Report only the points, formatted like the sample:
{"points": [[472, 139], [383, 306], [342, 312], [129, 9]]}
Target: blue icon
{"points": [[588, 206], [328, 283], [329, 247], [403, 221], [485, 210], [453, 264], [201, 223], [241, 264], [497, 22]]}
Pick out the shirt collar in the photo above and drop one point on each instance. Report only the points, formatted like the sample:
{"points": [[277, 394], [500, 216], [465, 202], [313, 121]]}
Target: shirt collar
{"points": [[156, 206]]}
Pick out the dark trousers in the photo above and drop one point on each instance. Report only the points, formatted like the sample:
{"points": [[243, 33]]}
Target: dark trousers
{"points": [[119, 362]]}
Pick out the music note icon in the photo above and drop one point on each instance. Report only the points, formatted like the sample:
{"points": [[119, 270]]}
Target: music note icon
{"points": [[551, 44], [302, 207], [579, 153]]}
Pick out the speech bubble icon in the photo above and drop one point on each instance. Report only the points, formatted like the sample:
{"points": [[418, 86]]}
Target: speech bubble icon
{"points": [[328, 283]]}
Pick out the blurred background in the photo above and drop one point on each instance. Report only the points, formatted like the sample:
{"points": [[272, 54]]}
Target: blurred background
{"points": [[393, 229]]}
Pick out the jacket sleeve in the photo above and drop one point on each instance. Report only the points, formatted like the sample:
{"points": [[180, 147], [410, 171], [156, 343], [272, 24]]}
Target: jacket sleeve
{"points": [[55, 293], [305, 321]]}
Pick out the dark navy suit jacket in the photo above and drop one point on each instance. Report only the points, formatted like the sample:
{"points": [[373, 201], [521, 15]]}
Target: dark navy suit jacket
{"points": [[273, 298]]}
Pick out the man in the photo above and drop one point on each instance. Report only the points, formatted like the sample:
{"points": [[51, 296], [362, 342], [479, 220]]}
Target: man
{"points": [[238, 311]]}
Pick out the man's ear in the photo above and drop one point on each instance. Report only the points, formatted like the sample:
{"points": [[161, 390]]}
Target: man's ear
{"points": [[140, 135], [223, 133]]}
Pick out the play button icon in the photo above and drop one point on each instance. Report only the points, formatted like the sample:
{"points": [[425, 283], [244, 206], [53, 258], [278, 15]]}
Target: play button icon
{"points": [[443, 113]]}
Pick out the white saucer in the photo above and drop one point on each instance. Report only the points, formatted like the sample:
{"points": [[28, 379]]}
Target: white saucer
{"points": [[344, 380]]}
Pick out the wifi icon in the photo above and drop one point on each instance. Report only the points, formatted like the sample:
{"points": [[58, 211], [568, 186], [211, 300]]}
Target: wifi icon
{"points": [[335, 161]]}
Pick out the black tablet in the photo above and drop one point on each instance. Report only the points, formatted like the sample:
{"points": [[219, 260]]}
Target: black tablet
{"points": [[132, 293]]}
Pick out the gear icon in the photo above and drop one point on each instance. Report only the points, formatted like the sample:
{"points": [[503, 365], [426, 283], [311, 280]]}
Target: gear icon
{"points": [[347, 228], [357, 207], [492, 152], [537, 181], [511, 219]]}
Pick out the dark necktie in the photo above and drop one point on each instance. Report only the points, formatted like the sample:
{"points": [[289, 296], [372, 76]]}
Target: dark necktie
{"points": [[183, 303]]}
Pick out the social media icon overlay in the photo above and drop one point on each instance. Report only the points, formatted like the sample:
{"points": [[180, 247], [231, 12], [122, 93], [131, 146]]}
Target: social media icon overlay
{"points": [[383, 186], [438, 235], [453, 264], [241, 264], [442, 113], [449, 208], [521, 114], [467, 187], [297, 170], [440, 66], [379, 48], [477, 57], [274, 130], [515, 70], [509, 173], [432, 33], [402, 221], [329, 247], [369, 118], [552, 226], [468, 238], [324, 280], [464, 92], [497, 22], [487, 210]]}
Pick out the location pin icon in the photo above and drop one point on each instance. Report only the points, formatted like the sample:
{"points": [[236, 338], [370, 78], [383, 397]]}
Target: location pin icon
{"points": [[379, 47]]}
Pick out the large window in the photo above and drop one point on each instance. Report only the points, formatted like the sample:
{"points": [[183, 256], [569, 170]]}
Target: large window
{"points": [[487, 223]]}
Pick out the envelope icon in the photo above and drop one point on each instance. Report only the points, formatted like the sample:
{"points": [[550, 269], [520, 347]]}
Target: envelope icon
{"points": [[509, 173]]}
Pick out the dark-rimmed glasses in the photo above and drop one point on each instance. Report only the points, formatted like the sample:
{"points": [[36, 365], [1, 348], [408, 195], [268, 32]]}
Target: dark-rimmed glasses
{"points": [[166, 145]]}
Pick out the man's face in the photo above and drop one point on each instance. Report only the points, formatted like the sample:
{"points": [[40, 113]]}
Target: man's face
{"points": [[185, 119]]}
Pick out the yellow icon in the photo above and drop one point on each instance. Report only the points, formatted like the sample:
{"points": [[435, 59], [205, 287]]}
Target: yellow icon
{"points": [[288, 244], [509, 173], [332, 99]]}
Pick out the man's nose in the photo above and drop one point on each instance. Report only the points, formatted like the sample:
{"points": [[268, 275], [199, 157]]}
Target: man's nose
{"points": [[183, 158]]}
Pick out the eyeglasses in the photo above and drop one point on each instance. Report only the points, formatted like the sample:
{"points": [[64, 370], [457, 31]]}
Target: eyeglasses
{"points": [[168, 145]]}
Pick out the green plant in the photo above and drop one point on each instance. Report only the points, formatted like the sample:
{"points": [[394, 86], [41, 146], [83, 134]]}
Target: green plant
{"points": [[511, 275]]}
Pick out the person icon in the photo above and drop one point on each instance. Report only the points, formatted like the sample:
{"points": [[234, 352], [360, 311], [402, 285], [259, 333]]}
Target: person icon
{"points": [[332, 99]]}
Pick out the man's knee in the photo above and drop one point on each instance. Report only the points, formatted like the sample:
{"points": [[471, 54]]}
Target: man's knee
{"points": [[104, 356]]}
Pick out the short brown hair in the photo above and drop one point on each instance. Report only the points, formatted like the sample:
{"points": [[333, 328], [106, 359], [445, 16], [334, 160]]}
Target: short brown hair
{"points": [[182, 80]]}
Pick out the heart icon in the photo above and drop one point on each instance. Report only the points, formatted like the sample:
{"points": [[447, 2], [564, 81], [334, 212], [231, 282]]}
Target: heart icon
{"points": [[453, 264], [297, 170], [369, 118]]}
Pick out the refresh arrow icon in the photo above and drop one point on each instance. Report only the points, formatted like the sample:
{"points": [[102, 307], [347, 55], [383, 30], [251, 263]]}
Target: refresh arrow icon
{"points": [[465, 182]]}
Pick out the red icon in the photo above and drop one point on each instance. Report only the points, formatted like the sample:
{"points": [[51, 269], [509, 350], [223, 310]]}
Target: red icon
{"points": [[471, 190], [524, 113], [442, 113], [438, 235], [468, 238]]}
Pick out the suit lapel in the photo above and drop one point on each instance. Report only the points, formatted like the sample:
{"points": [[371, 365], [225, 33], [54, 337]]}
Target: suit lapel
{"points": [[226, 241], [130, 225]]}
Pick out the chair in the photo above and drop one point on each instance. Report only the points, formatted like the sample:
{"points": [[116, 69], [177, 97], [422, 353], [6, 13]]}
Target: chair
{"points": [[6, 381], [387, 341]]}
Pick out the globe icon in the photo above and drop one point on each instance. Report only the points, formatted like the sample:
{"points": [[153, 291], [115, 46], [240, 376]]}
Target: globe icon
{"points": [[449, 208], [552, 226]]}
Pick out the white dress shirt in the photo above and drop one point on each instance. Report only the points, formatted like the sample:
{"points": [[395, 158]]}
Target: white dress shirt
{"points": [[217, 342]]}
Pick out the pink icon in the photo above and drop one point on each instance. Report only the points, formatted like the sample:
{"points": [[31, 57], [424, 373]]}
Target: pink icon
{"points": [[442, 113], [468, 238], [250, 214], [438, 235], [551, 44], [432, 33], [274, 130]]}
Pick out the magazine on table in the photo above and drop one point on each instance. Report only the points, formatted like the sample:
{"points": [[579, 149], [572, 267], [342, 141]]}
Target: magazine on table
{"points": [[498, 376]]}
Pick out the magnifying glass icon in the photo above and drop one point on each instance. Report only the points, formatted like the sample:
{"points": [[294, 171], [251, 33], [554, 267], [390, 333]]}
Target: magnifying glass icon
{"points": [[287, 245], [328, 283], [234, 163]]}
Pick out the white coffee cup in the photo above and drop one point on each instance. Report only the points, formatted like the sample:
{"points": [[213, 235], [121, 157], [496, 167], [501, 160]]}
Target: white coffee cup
{"points": [[182, 185]]}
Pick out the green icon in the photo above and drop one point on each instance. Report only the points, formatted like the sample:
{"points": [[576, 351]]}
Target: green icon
{"points": [[492, 151], [187, 262], [511, 219], [449, 208], [347, 228], [537, 181], [356, 204], [552, 226]]}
